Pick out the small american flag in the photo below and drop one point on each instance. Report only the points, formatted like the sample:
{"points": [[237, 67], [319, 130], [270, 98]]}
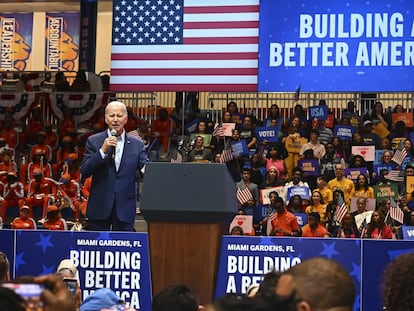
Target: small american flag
{"points": [[226, 154], [243, 196], [396, 212], [399, 154], [297, 94], [342, 209], [218, 130], [395, 175]]}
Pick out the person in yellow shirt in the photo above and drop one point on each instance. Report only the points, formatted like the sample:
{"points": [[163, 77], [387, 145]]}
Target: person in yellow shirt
{"points": [[362, 187], [323, 189], [317, 206], [342, 183]]}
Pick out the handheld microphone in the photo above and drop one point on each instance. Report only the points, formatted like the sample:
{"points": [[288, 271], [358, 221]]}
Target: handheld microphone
{"points": [[113, 133]]}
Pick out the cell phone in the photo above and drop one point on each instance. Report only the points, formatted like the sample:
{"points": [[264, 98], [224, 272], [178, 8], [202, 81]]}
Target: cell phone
{"points": [[71, 284], [30, 292]]}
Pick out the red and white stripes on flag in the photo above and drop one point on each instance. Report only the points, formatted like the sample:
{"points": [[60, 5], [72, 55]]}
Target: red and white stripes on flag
{"points": [[218, 130], [396, 212], [226, 155], [187, 45], [395, 175], [341, 210], [399, 154], [244, 195]]}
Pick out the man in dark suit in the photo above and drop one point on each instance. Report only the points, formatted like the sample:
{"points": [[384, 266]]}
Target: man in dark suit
{"points": [[113, 158]]}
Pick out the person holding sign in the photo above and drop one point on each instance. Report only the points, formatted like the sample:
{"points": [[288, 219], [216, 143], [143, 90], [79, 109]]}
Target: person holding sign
{"points": [[313, 144], [282, 223]]}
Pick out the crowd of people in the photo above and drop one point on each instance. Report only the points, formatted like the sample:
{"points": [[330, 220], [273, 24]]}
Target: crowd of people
{"points": [[314, 171]]}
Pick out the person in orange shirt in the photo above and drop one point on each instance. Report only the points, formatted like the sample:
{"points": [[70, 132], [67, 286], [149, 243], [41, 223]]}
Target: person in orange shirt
{"points": [[13, 193], [163, 128], [24, 221], [9, 133], [67, 147], [69, 190], [85, 191], [283, 223], [51, 137], [39, 191], [39, 162], [41, 145], [36, 125], [313, 229], [54, 219]]}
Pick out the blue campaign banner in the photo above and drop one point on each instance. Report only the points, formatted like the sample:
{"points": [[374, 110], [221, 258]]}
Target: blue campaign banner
{"points": [[329, 46], [344, 132], [267, 133], [303, 191], [309, 166], [377, 254], [318, 112], [378, 156], [7, 238], [388, 167], [240, 148], [115, 260], [408, 232], [244, 260], [353, 173]]}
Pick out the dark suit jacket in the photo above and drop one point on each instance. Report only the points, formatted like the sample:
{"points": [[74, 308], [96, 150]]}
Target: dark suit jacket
{"points": [[110, 187]]}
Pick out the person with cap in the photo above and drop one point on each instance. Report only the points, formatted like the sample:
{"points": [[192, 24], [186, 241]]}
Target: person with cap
{"points": [[369, 137], [54, 220], [72, 167], [39, 191], [113, 157], [23, 221], [39, 163], [13, 193], [68, 272], [104, 299], [41, 145]]}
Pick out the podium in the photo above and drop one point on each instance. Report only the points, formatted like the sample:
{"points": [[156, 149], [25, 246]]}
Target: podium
{"points": [[188, 206]]}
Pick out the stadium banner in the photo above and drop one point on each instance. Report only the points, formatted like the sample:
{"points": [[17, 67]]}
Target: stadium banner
{"points": [[16, 41], [331, 46], [62, 41], [115, 260], [244, 260]]}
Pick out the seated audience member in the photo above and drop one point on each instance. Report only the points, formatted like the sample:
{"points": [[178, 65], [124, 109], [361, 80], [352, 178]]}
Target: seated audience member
{"points": [[9, 133], [163, 128], [377, 228], [362, 187], [80, 84], [13, 194], [274, 158], [347, 228], [397, 284], [361, 206], [249, 205], [317, 205], [314, 145], [296, 181], [69, 193], [322, 187], [313, 229], [342, 183], [54, 219], [257, 171], [61, 83], [247, 132], [24, 221], [175, 298], [331, 213], [282, 223], [320, 283], [272, 179], [199, 153]]}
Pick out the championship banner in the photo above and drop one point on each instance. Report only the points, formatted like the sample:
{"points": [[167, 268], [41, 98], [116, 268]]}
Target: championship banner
{"points": [[267, 133], [62, 41], [335, 46], [82, 105], [245, 260], [16, 41], [115, 260]]}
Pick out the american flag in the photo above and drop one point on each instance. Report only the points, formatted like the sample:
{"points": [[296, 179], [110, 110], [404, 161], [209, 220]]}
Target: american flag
{"points": [[399, 154], [185, 45], [396, 212], [297, 93], [218, 130], [342, 209], [395, 175], [226, 154], [244, 195]]}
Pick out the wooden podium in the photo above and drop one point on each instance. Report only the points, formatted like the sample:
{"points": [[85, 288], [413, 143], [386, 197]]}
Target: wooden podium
{"points": [[188, 207]]}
